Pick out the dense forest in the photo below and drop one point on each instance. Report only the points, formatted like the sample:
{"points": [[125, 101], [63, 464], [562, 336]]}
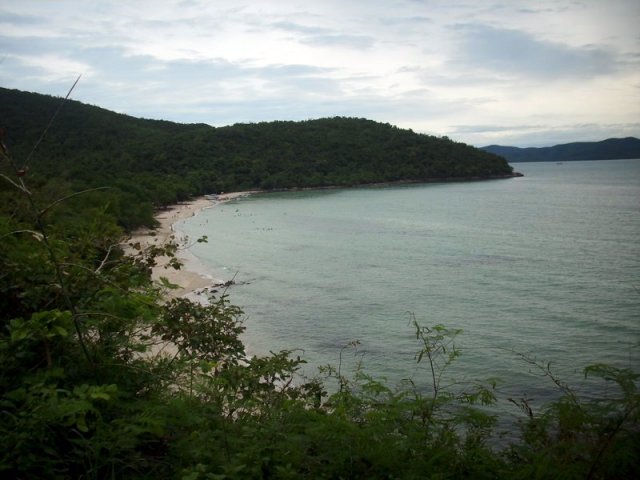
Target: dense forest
{"points": [[149, 163], [609, 149], [105, 375]]}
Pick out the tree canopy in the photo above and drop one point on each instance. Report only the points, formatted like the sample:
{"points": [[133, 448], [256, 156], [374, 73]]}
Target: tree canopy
{"points": [[150, 163]]}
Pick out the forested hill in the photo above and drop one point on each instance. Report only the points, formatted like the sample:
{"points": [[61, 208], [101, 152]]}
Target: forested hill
{"points": [[610, 149], [151, 163]]}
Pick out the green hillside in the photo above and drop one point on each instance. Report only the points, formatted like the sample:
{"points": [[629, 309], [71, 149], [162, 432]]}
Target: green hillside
{"points": [[609, 149], [154, 163]]}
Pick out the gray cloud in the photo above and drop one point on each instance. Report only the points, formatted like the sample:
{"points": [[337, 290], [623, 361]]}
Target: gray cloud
{"points": [[519, 53], [320, 36], [179, 90], [7, 17], [404, 21], [540, 135], [221, 63], [340, 40], [494, 128], [299, 28]]}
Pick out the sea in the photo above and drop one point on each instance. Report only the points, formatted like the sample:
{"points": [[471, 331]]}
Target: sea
{"points": [[541, 274]]}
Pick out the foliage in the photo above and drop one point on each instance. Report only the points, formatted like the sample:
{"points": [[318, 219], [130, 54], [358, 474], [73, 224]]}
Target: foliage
{"points": [[149, 163], [102, 377], [584, 437]]}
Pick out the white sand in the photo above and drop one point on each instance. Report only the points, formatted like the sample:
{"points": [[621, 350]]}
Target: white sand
{"points": [[188, 277]]}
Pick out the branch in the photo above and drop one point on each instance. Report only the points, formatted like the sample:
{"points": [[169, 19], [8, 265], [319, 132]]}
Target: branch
{"points": [[546, 372], [44, 132], [22, 188], [37, 235], [104, 260], [45, 236], [60, 200], [103, 279]]}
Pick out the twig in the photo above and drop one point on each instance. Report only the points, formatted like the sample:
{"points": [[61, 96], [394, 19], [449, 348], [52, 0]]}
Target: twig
{"points": [[19, 172], [60, 200], [106, 257], [44, 132], [22, 188], [37, 235]]}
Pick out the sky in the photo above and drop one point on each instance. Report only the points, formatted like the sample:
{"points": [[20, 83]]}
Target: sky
{"points": [[508, 72]]}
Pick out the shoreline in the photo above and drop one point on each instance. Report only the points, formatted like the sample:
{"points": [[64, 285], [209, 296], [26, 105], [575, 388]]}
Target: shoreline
{"points": [[191, 277], [392, 183]]}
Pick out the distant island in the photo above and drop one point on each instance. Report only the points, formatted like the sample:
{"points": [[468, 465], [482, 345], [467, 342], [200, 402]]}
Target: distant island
{"points": [[150, 163], [610, 149]]}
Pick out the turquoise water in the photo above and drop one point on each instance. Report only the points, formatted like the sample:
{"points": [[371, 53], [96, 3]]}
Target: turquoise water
{"points": [[546, 265]]}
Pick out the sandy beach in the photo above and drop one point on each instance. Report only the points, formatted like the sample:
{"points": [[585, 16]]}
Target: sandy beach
{"points": [[188, 277]]}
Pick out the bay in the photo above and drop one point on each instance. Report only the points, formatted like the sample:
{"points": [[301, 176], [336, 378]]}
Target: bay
{"points": [[545, 265]]}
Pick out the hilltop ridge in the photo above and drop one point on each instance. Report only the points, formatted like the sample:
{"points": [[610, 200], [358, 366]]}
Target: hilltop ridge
{"points": [[155, 162], [609, 149]]}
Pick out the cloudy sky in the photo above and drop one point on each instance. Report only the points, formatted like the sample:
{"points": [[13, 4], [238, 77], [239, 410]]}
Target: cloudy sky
{"points": [[525, 73]]}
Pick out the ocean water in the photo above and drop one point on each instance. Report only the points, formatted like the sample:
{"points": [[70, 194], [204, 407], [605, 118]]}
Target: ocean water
{"points": [[547, 265]]}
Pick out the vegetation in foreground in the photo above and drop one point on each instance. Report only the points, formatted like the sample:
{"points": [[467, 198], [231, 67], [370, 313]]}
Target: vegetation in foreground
{"points": [[87, 392]]}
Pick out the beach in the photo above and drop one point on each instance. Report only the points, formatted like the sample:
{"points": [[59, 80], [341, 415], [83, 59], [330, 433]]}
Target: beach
{"points": [[190, 277]]}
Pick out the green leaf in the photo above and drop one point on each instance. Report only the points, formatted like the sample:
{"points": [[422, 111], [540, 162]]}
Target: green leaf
{"points": [[61, 331], [164, 281], [81, 423]]}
